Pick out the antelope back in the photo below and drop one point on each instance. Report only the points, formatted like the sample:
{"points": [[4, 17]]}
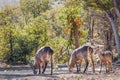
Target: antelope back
{"points": [[79, 54], [44, 53], [84, 51]]}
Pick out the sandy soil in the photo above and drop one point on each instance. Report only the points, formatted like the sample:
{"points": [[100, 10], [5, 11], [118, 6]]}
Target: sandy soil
{"points": [[24, 72]]}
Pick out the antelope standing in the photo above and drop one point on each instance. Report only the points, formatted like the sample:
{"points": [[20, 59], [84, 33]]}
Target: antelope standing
{"points": [[105, 58], [42, 57], [80, 54]]}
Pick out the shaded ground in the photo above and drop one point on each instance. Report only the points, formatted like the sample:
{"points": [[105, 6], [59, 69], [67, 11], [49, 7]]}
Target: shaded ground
{"points": [[24, 72]]}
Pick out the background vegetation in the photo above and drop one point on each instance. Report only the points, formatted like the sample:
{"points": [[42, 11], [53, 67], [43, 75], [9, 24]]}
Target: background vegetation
{"points": [[62, 24]]}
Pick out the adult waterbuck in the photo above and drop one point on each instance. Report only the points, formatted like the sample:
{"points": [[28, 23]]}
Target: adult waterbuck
{"points": [[80, 54], [42, 57]]}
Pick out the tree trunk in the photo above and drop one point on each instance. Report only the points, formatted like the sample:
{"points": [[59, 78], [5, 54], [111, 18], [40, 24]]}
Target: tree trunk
{"points": [[11, 59], [11, 42], [117, 9], [92, 30], [114, 26], [108, 40], [75, 28]]}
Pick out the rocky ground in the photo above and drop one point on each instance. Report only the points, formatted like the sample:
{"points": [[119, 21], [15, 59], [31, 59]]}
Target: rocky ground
{"points": [[24, 72]]}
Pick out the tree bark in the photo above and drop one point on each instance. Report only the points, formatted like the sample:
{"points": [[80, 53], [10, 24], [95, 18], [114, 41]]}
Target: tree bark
{"points": [[108, 39], [117, 9], [92, 30], [75, 28], [114, 28], [11, 42]]}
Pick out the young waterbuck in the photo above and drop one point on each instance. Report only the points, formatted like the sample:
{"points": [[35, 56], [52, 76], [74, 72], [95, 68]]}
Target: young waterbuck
{"points": [[42, 57], [80, 54], [105, 58]]}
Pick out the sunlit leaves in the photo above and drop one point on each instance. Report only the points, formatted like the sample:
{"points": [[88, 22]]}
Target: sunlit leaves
{"points": [[72, 14], [100, 4], [78, 21], [34, 7], [33, 25]]}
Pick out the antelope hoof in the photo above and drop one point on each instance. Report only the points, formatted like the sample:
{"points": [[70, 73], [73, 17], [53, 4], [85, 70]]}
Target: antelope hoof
{"points": [[42, 72], [78, 71]]}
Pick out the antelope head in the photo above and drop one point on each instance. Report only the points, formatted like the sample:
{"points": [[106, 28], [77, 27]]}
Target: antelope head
{"points": [[33, 67], [70, 67]]}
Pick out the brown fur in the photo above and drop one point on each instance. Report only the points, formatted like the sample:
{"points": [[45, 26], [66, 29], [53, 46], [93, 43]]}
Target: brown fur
{"points": [[79, 55], [42, 57], [106, 59]]}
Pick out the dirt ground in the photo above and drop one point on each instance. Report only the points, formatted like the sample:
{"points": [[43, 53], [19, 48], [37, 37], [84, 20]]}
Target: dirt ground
{"points": [[24, 72]]}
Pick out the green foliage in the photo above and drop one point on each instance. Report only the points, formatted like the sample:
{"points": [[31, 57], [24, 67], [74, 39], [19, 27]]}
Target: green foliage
{"points": [[34, 7], [63, 17], [8, 21], [76, 13], [100, 5], [19, 40], [26, 28]]}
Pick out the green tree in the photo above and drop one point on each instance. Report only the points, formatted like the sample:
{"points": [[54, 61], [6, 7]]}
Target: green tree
{"points": [[8, 21], [107, 7], [64, 21], [33, 8], [74, 17]]}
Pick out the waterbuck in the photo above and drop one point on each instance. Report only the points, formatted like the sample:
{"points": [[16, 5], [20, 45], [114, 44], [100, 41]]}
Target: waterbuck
{"points": [[42, 57], [80, 54], [105, 58]]}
